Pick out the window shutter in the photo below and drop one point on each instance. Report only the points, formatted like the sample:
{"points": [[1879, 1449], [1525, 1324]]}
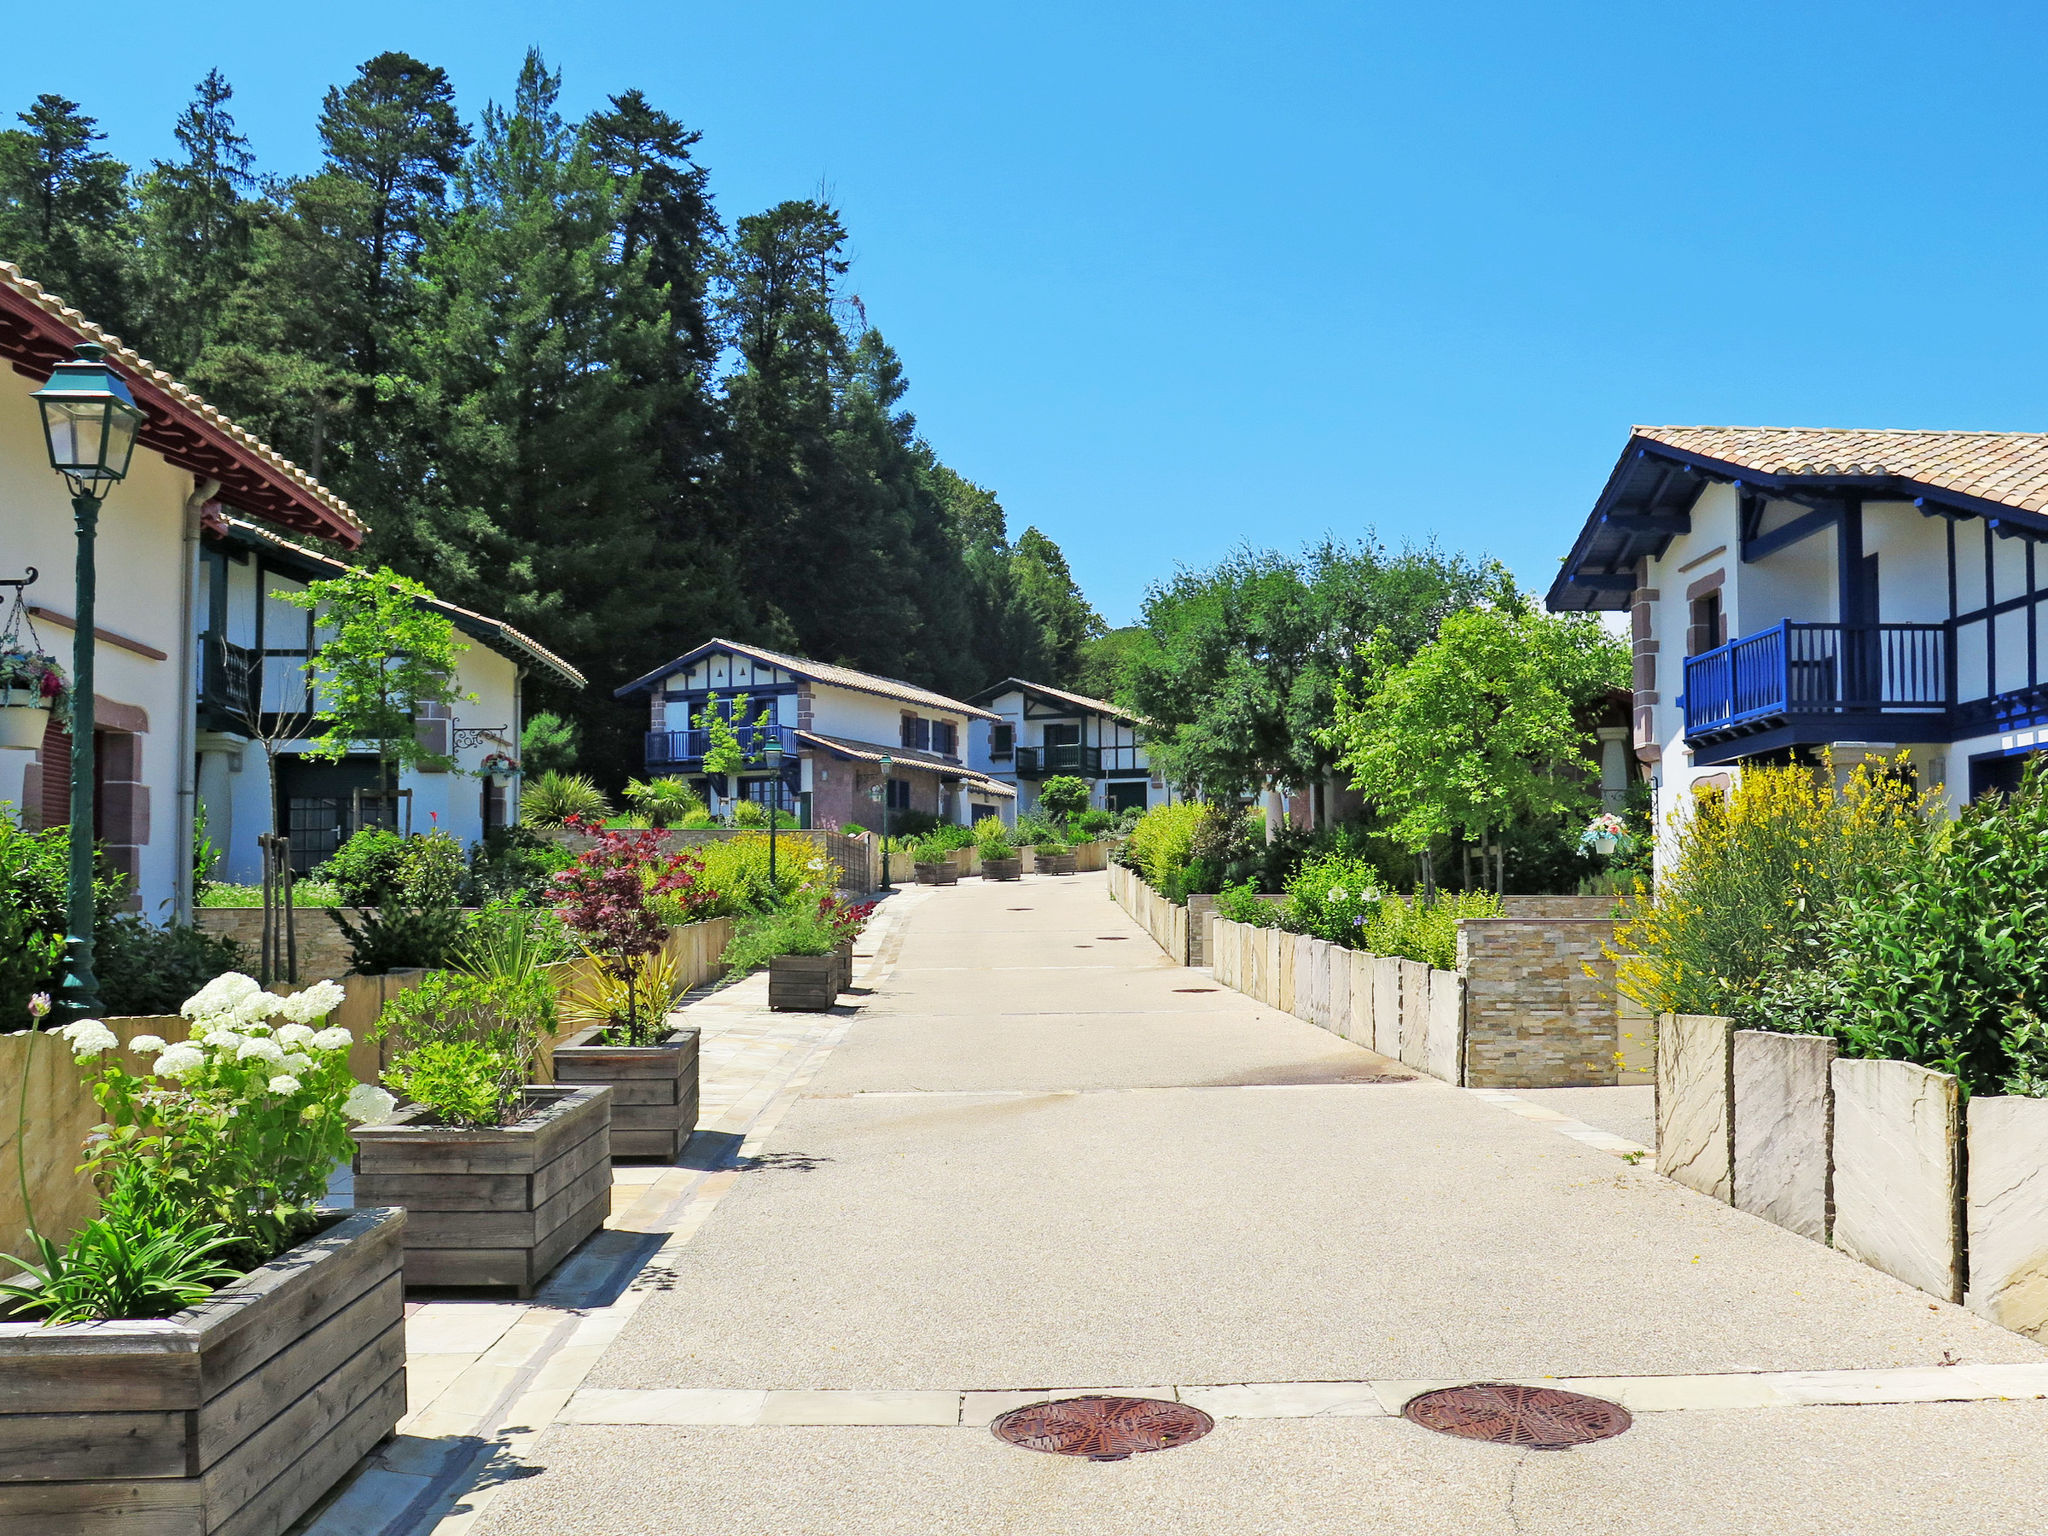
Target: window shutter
{"points": [[924, 735], [909, 731]]}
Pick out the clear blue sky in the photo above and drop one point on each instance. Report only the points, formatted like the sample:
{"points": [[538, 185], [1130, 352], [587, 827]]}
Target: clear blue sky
{"points": [[1168, 277]]}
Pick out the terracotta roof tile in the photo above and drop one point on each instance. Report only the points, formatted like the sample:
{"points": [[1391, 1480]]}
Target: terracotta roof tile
{"points": [[2007, 467]]}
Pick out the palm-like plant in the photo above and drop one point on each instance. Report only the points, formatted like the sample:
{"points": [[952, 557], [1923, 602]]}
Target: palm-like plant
{"points": [[555, 797]]}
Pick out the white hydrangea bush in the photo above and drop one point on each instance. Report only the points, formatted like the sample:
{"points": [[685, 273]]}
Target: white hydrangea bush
{"points": [[245, 1119]]}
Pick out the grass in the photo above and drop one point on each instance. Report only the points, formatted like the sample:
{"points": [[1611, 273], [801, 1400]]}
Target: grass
{"points": [[305, 893]]}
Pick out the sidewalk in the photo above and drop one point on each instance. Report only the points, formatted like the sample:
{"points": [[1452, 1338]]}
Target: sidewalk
{"points": [[1044, 1160]]}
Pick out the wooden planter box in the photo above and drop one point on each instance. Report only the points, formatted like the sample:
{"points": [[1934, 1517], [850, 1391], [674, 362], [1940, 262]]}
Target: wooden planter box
{"points": [[803, 983], [1002, 869], [232, 1418], [845, 956], [1055, 863], [941, 873], [501, 1206], [654, 1088]]}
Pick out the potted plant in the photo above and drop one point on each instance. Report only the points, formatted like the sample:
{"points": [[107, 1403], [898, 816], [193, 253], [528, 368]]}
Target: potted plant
{"points": [[799, 941], [501, 1178], [999, 857], [849, 920], [499, 768], [620, 1003], [31, 686], [216, 1348], [933, 857], [1053, 858], [1604, 834]]}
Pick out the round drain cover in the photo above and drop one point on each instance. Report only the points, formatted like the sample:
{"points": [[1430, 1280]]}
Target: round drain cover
{"points": [[1539, 1418], [1102, 1428]]}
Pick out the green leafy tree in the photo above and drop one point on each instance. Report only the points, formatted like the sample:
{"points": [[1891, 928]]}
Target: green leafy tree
{"points": [[729, 747], [1481, 727], [1063, 796], [547, 744], [64, 208], [383, 654], [1239, 665]]}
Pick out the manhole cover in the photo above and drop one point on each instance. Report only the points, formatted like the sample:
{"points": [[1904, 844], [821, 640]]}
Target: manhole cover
{"points": [[1102, 1428], [1539, 1418], [1194, 989], [1114, 938]]}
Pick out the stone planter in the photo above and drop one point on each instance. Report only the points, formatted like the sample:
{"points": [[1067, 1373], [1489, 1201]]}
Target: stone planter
{"points": [[941, 873], [1002, 869], [501, 1206], [803, 983], [24, 716], [654, 1088], [1055, 863], [234, 1416]]}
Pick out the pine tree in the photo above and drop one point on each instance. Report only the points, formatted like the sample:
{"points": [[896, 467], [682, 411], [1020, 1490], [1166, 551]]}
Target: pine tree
{"points": [[64, 209], [196, 229]]}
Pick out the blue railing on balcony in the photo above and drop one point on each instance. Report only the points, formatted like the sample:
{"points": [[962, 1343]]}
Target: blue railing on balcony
{"points": [[674, 749], [1818, 669]]}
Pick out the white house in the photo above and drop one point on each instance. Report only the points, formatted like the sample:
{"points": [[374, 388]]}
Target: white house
{"points": [[1790, 590], [189, 457], [836, 727], [245, 627], [1038, 731]]}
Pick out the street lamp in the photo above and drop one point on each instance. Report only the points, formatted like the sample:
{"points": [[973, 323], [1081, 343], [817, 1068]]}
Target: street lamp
{"points": [[89, 424], [888, 762], [773, 752]]}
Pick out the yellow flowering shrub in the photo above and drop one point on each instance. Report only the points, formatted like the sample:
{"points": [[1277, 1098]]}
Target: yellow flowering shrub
{"points": [[1755, 873]]}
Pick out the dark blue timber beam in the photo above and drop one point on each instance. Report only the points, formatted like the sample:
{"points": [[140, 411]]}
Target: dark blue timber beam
{"points": [[1803, 526]]}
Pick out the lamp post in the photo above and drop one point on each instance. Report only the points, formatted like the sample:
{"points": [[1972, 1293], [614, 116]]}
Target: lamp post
{"points": [[888, 762], [773, 753], [89, 424]]}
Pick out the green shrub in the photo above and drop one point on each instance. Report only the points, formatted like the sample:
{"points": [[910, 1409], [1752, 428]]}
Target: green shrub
{"points": [[507, 1015], [305, 893], [932, 850], [797, 929], [992, 839], [1755, 878], [462, 1083], [1094, 823], [508, 940], [393, 936], [1332, 896], [1940, 962], [1425, 930], [513, 862], [851, 829], [736, 871], [144, 968], [1240, 904], [554, 797], [35, 874], [547, 744], [141, 1256], [377, 865], [1162, 842], [1063, 796]]}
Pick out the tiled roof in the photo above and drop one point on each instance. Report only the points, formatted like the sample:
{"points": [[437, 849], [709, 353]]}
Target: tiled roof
{"points": [[496, 633], [37, 329], [1080, 701], [874, 752], [817, 672], [2007, 467]]}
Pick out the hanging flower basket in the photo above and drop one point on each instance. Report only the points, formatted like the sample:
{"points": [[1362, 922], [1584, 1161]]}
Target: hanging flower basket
{"points": [[499, 767], [1604, 834], [31, 685]]}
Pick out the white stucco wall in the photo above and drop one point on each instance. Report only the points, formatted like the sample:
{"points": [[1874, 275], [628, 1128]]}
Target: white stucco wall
{"points": [[138, 564]]}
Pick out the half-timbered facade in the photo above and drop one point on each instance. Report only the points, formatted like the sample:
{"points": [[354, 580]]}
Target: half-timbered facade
{"points": [[1790, 590], [834, 725], [1038, 731]]}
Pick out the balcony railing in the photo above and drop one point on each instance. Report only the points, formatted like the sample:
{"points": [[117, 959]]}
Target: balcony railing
{"points": [[1817, 670], [677, 749], [1068, 757]]}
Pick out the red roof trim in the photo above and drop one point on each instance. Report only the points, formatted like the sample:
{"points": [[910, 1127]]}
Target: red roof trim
{"points": [[34, 341]]}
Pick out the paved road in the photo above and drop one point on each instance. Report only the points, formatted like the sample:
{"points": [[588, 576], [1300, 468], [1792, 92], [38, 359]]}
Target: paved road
{"points": [[1045, 1160]]}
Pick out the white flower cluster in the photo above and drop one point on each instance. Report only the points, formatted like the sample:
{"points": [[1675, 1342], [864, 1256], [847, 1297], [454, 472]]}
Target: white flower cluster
{"points": [[88, 1037], [368, 1104]]}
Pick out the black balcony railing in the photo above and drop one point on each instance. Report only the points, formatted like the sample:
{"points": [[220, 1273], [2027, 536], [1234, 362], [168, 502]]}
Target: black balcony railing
{"points": [[1067, 757], [678, 749], [1817, 670]]}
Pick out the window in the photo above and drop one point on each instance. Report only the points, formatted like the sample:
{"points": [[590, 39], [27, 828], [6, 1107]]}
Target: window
{"points": [[1125, 795], [924, 736], [909, 731], [899, 794], [945, 738], [1063, 735], [1002, 741], [1705, 633]]}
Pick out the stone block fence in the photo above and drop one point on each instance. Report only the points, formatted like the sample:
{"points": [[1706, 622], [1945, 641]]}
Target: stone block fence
{"points": [[1881, 1159], [60, 1109], [1531, 1003]]}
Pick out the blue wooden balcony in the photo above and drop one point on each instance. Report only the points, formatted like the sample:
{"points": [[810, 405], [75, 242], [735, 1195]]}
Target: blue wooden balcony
{"points": [[1067, 757], [685, 749], [1810, 683]]}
